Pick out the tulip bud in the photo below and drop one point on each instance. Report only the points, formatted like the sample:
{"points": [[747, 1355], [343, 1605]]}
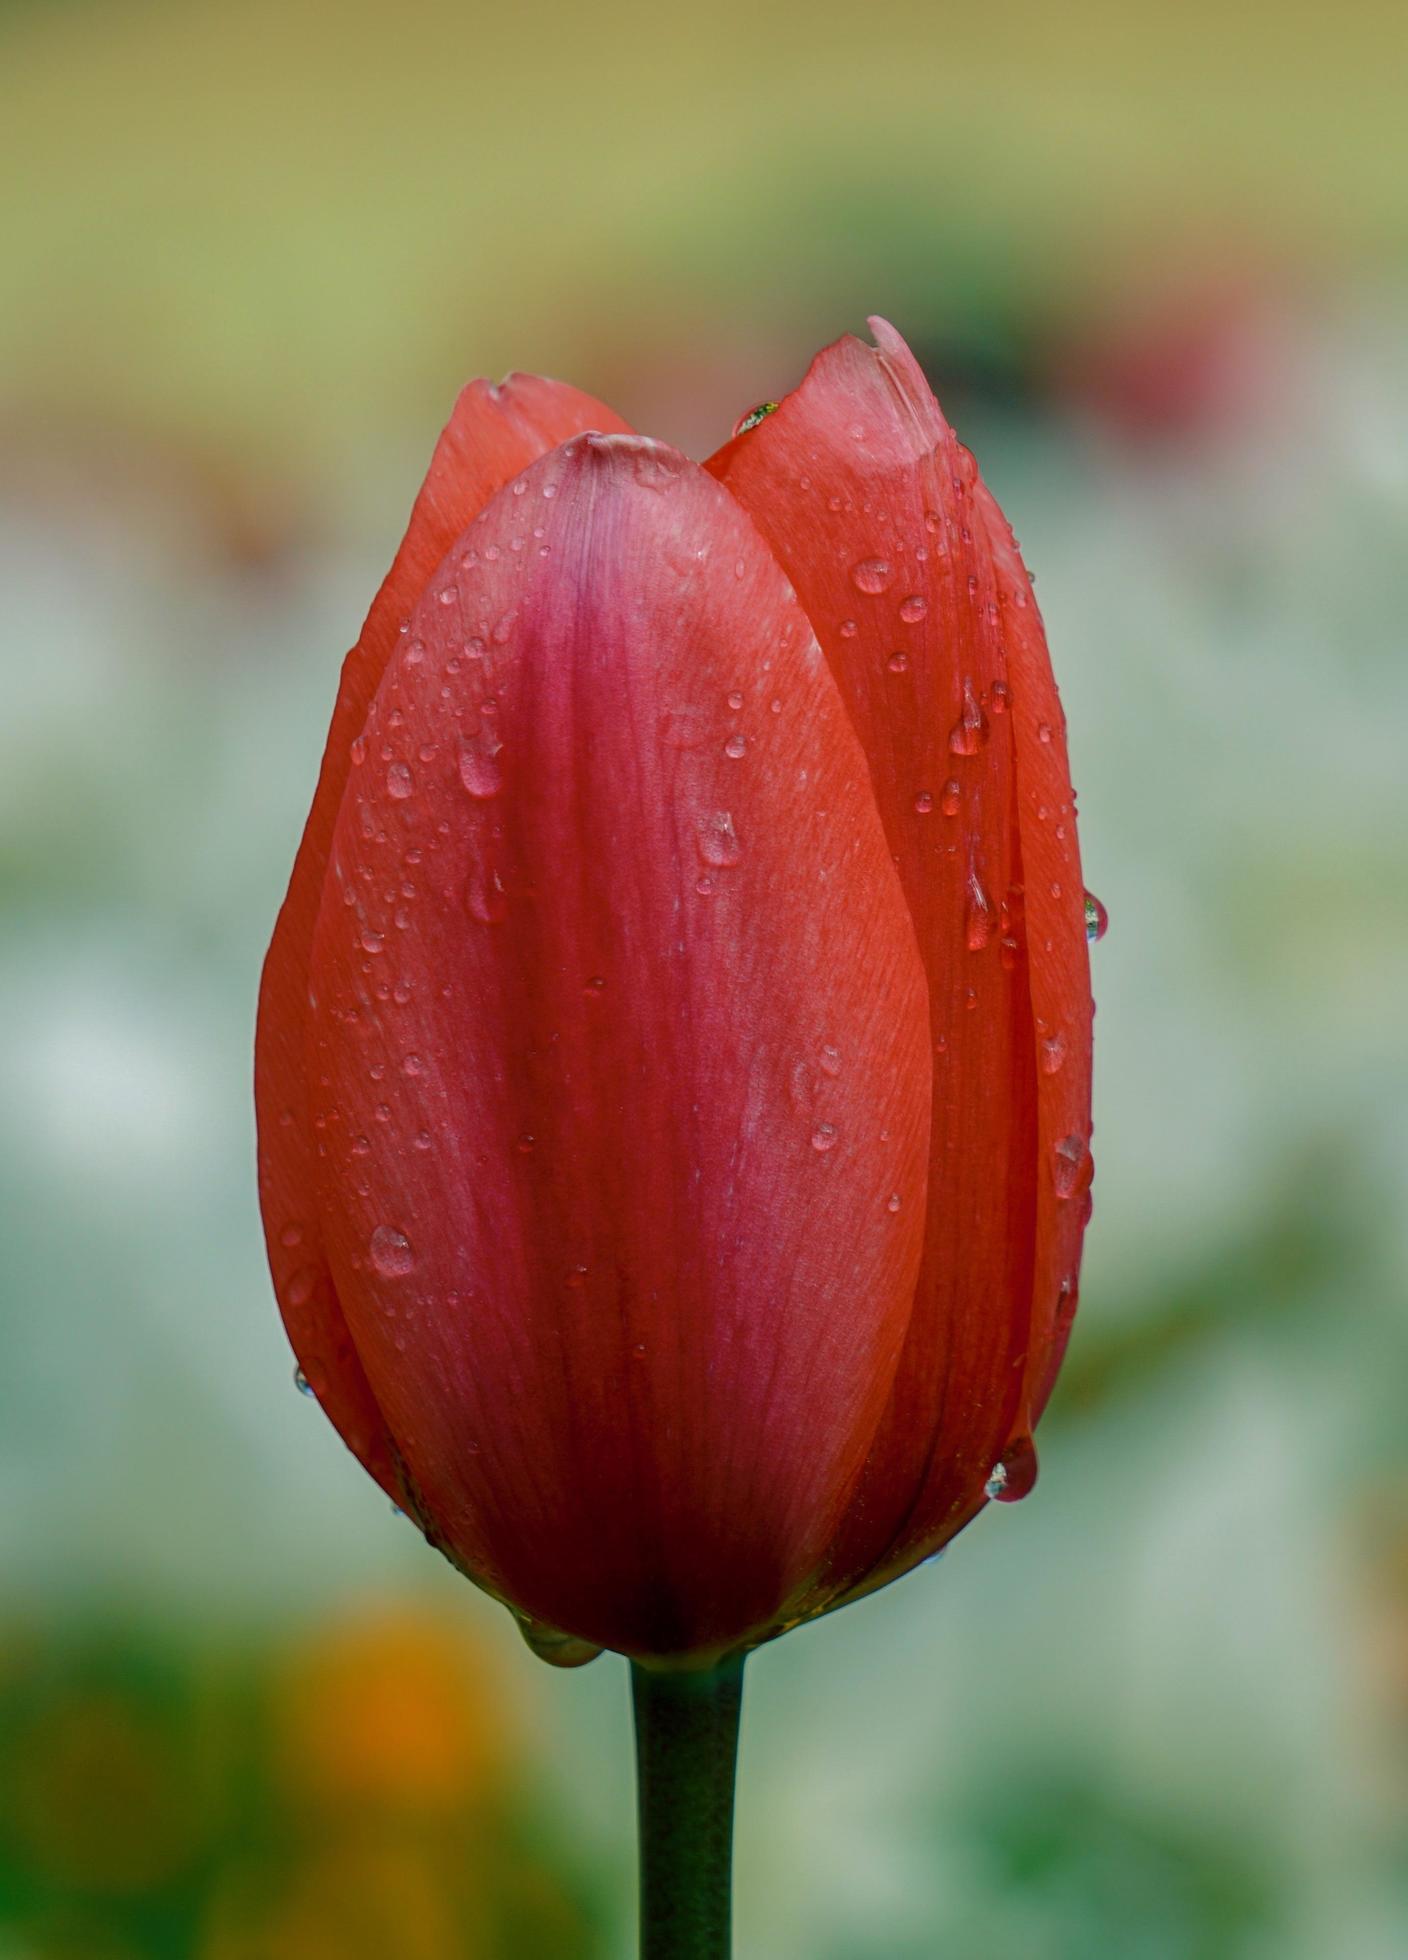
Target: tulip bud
{"points": [[674, 1049]]}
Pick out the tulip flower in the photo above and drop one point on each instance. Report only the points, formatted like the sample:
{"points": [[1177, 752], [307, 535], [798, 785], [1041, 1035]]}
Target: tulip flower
{"points": [[673, 1066]]}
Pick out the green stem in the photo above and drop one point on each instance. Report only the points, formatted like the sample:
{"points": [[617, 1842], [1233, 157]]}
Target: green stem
{"points": [[686, 1755]]}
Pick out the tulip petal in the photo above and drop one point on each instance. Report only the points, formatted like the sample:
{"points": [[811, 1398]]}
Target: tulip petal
{"points": [[622, 1049], [875, 511], [493, 433], [1059, 958]]}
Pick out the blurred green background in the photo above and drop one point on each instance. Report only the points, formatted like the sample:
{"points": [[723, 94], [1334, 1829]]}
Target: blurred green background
{"points": [[1155, 262]]}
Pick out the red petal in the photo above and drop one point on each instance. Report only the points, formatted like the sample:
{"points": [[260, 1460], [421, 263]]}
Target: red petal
{"points": [[1059, 963], [493, 433], [624, 1184], [874, 510]]}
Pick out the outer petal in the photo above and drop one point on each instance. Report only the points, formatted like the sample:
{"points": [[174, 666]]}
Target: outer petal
{"points": [[621, 1043], [1059, 957], [917, 594], [493, 434]]}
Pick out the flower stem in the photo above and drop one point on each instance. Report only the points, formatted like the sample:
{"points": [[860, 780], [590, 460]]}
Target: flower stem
{"points": [[686, 1756]]}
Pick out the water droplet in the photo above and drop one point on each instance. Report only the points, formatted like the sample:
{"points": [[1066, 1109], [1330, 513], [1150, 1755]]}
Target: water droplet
{"points": [[736, 745], [1053, 1053], [735, 700], [847, 629], [999, 697], [481, 773], [951, 798], [824, 1137], [970, 731], [718, 843], [1015, 1476], [302, 1285], [527, 1144], [399, 781], [358, 751], [979, 917], [1097, 919], [923, 802], [754, 416], [291, 1235], [898, 663], [913, 608], [829, 1060], [301, 1382], [486, 898], [1043, 731], [1071, 1167], [892, 1203], [390, 1252], [576, 1278], [448, 594], [595, 986], [413, 1065], [372, 942], [873, 575]]}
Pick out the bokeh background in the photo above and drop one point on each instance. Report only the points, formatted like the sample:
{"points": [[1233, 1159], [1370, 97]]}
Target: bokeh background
{"points": [[1154, 260]]}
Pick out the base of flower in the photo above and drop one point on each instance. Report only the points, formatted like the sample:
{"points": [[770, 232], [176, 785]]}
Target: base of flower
{"points": [[686, 1759]]}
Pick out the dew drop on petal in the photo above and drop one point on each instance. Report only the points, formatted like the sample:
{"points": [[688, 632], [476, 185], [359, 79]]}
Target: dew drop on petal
{"points": [[978, 915], [873, 575], [1071, 1166], [1097, 919], [970, 731], [718, 841], [485, 897], [481, 773], [390, 1252], [1014, 1477], [302, 1286]]}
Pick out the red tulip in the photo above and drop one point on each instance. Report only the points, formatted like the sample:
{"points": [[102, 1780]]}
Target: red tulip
{"points": [[674, 1050]]}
